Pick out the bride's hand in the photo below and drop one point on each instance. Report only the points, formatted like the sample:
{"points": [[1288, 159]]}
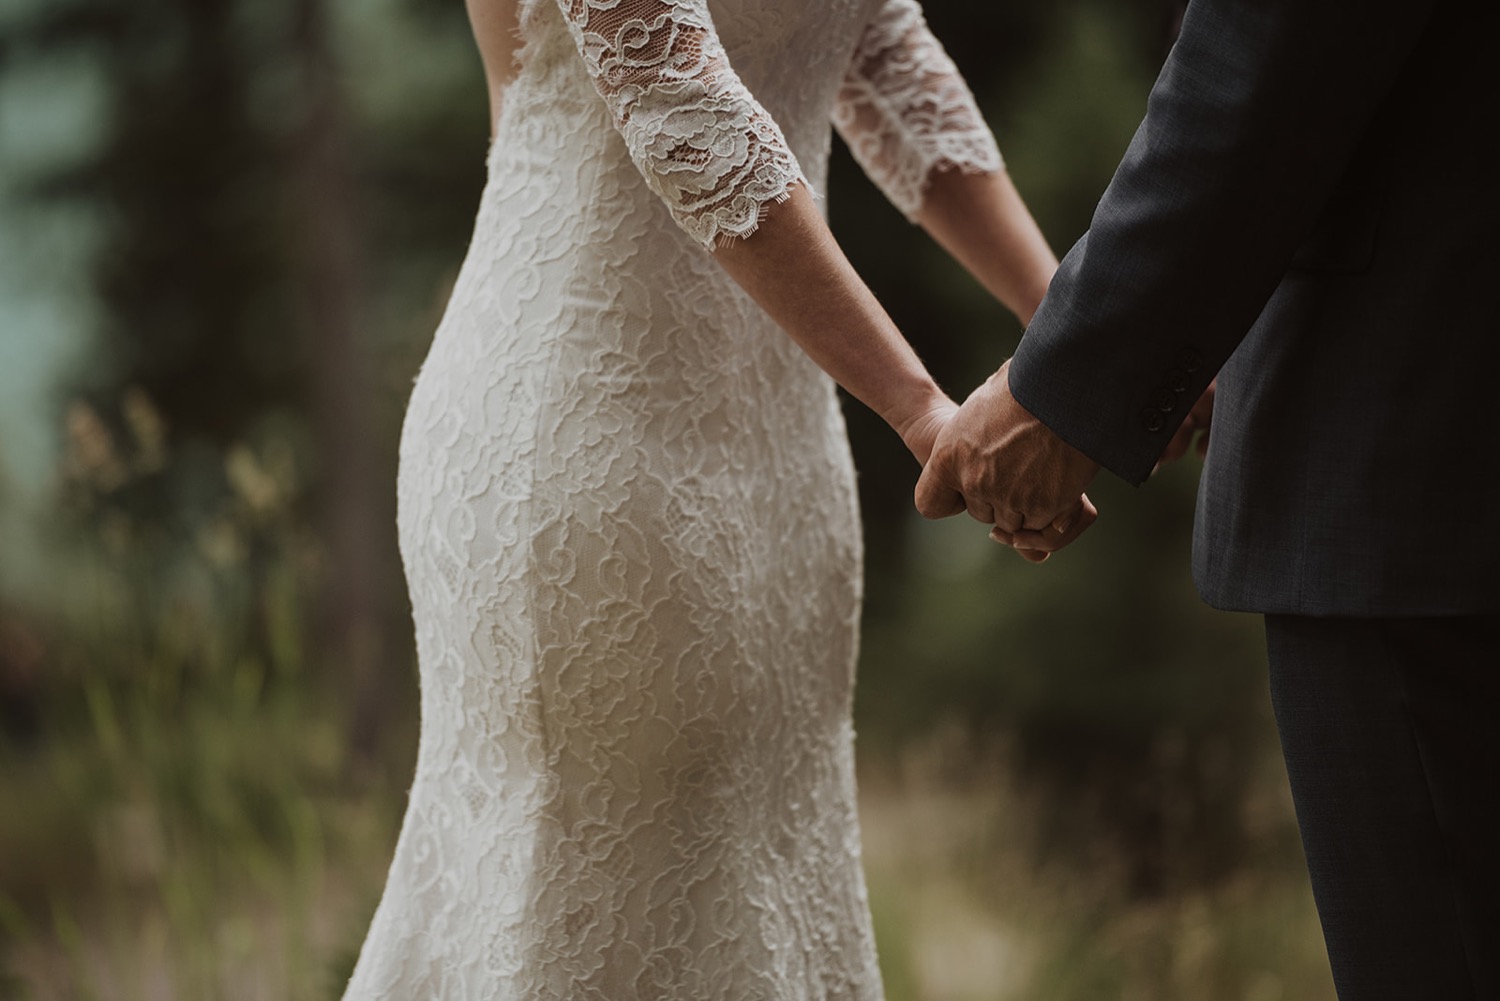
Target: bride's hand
{"points": [[920, 432]]}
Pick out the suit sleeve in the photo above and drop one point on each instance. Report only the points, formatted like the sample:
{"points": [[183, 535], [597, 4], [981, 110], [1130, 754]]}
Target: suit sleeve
{"points": [[905, 110], [700, 139], [1252, 123]]}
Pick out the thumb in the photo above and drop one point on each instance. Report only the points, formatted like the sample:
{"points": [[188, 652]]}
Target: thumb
{"points": [[936, 499]]}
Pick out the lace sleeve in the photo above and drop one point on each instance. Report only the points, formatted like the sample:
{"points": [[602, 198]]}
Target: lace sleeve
{"points": [[905, 111], [702, 141]]}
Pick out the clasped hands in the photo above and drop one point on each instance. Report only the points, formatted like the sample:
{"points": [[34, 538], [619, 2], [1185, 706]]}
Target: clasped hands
{"points": [[992, 458]]}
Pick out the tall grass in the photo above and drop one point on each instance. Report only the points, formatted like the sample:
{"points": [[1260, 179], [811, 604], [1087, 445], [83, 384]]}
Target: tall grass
{"points": [[183, 817], [970, 907]]}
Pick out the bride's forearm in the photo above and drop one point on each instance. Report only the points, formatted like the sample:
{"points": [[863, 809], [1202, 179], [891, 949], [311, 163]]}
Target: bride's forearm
{"points": [[981, 220], [793, 267]]}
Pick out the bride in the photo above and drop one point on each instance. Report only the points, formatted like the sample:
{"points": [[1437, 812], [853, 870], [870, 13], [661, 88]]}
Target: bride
{"points": [[627, 511]]}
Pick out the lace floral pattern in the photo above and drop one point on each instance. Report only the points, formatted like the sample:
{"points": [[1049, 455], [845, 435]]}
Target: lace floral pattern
{"points": [[628, 518], [702, 142], [906, 112]]}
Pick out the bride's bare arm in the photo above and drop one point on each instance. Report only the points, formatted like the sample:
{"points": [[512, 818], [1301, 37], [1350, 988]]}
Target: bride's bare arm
{"points": [[981, 220], [794, 269], [913, 125]]}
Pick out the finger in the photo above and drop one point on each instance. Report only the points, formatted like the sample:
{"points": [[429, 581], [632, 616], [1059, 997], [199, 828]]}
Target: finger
{"points": [[1009, 521], [980, 511], [1065, 520], [1058, 524], [1041, 539], [1031, 539], [1052, 538], [1030, 555], [1081, 521], [934, 498]]}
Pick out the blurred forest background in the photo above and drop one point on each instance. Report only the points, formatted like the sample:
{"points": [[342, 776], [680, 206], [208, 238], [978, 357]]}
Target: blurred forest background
{"points": [[227, 230]]}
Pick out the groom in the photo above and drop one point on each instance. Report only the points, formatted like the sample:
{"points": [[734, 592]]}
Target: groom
{"points": [[1311, 210]]}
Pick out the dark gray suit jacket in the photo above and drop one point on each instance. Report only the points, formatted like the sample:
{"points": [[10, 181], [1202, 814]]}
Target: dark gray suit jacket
{"points": [[1312, 203]]}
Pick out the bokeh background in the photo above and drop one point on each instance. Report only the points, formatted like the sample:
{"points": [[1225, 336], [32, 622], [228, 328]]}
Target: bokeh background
{"points": [[227, 230]]}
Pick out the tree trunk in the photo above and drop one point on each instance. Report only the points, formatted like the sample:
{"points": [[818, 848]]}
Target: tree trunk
{"points": [[351, 496]]}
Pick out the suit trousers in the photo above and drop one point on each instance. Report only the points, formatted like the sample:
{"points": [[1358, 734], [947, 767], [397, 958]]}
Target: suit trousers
{"points": [[1391, 733]]}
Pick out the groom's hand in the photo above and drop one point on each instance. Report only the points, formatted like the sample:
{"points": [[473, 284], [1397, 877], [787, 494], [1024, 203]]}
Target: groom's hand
{"points": [[1006, 468]]}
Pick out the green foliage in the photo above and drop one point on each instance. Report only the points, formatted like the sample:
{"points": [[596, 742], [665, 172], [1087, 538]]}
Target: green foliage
{"points": [[186, 805]]}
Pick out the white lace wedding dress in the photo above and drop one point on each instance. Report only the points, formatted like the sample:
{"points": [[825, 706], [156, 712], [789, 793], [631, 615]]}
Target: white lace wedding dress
{"points": [[629, 523]]}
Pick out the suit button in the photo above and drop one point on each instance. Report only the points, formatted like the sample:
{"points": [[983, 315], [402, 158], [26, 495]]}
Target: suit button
{"points": [[1164, 400], [1191, 361], [1177, 380], [1152, 419]]}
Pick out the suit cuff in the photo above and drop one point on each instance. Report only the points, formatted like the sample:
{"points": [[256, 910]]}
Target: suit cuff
{"points": [[1119, 414]]}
